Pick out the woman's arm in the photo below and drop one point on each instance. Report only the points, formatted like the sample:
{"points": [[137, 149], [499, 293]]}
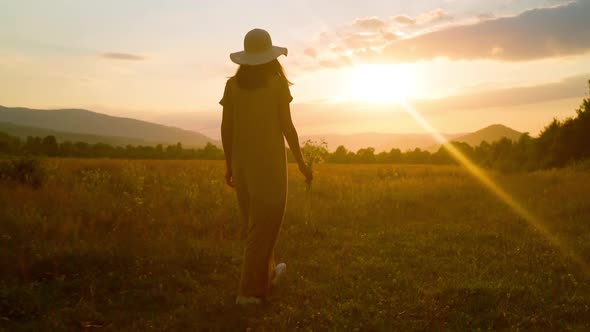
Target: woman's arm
{"points": [[292, 138], [227, 138]]}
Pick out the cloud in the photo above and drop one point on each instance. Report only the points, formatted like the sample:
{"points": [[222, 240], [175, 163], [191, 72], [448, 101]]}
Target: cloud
{"points": [[570, 87], [359, 40], [310, 52], [122, 56], [369, 23], [534, 34], [404, 20], [389, 36], [363, 37], [486, 16], [432, 16]]}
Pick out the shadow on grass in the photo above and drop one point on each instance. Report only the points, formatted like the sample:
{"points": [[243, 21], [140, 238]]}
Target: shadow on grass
{"points": [[86, 289]]}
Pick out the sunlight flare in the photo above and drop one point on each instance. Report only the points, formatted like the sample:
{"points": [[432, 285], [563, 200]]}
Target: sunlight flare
{"points": [[382, 84], [480, 175]]}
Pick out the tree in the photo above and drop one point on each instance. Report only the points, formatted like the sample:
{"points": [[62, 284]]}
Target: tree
{"points": [[395, 155], [417, 156], [366, 155], [66, 149], [9, 144], [339, 156], [81, 149], [211, 152]]}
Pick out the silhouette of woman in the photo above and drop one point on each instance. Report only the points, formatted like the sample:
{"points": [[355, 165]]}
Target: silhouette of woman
{"points": [[256, 117]]}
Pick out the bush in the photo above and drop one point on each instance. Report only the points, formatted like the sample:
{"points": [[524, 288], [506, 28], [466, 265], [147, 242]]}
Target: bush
{"points": [[26, 170], [581, 165]]}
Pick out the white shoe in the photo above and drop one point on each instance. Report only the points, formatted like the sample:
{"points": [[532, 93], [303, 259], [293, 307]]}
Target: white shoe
{"points": [[246, 300], [280, 271]]}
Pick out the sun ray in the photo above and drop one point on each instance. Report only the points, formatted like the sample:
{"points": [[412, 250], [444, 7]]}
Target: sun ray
{"points": [[480, 175]]}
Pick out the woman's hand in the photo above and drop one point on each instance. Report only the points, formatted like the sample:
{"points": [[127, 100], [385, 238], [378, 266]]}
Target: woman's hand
{"points": [[229, 178], [306, 171]]}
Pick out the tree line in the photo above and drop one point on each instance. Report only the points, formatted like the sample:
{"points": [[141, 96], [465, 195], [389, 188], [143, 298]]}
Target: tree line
{"points": [[559, 143], [50, 147]]}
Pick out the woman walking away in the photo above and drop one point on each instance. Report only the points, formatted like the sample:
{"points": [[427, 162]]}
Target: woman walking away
{"points": [[256, 116]]}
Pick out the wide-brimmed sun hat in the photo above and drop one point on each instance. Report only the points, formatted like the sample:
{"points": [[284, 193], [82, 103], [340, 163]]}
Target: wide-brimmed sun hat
{"points": [[258, 49]]}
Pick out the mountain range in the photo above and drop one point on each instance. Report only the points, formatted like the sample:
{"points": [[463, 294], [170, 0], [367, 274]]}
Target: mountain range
{"points": [[379, 141], [68, 123], [386, 141], [92, 127]]}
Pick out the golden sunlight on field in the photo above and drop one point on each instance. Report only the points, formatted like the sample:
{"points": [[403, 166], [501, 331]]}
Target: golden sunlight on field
{"points": [[372, 247]]}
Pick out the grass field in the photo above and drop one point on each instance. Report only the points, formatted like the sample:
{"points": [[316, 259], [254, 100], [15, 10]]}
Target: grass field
{"points": [[155, 245]]}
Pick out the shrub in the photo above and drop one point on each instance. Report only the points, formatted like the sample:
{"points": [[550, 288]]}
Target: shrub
{"points": [[26, 170], [581, 165]]}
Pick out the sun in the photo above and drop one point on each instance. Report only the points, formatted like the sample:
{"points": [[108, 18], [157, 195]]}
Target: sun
{"points": [[382, 84]]}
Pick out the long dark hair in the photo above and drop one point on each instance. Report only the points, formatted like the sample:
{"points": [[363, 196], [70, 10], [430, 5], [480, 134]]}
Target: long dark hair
{"points": [[254, 77]]}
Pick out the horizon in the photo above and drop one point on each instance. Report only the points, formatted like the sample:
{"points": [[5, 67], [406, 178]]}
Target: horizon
{"points": [[64, 125], [214, 134], [464, 65], [307, 135]]}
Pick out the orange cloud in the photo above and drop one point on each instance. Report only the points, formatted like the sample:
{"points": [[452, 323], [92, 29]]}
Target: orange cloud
{"points": [[310, 52], [404, 20], [369, 23], [433, 16], [122, 56], [360, 40], [534, 34], [569, 87]]}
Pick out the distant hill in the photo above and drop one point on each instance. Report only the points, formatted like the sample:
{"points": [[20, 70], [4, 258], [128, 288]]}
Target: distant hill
{"points": [[96, 126], [404, 142], [379, 141], [92, 127], [489, 134], [24, 131]]}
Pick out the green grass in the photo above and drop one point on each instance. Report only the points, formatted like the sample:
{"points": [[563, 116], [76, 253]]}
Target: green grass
{"points": [[155, 245]]}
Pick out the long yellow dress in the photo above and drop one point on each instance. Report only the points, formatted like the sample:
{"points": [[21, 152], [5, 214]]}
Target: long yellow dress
{"points": [[260, 175]]}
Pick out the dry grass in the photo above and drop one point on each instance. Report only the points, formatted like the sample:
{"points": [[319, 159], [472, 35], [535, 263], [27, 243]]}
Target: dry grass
{"points": [[137, 245]]}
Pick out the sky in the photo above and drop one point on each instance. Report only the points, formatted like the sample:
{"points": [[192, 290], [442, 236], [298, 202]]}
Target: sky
{"points": [[463, 64]]}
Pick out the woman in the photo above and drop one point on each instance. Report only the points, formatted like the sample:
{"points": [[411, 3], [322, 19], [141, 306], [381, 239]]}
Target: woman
{"points": [[256, 117]]}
